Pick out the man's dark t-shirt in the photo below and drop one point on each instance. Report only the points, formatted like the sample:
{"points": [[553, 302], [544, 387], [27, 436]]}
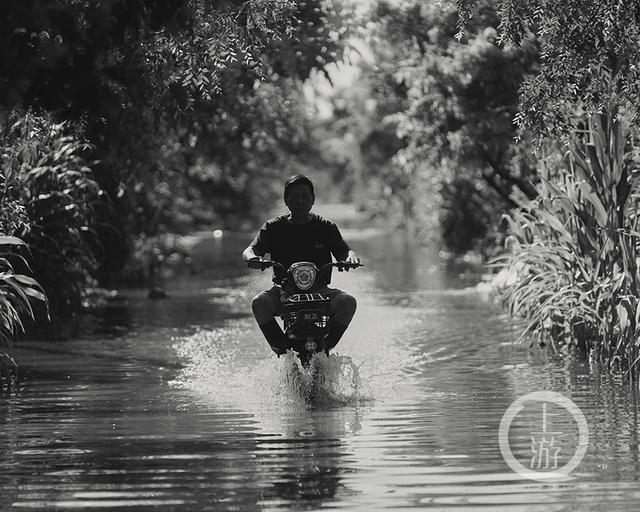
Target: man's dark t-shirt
{"points": [[288, 243]]}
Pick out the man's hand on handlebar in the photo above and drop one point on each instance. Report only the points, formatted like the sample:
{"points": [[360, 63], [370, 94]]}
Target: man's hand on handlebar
{"points": [[256, 262], [351, 261], [259, 263]]}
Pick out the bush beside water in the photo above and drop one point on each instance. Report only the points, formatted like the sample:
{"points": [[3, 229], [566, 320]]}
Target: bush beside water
{"points": [[51, 183], [572, 268], [19, 292]]}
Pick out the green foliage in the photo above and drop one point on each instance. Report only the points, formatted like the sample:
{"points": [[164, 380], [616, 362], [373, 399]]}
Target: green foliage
{"points": [[158, 88], [589, 53], [466, 217], [46, 174], [245, 147], [18, 291], [571, 272], [155, 259], [218, 37], [439, 155], [65, 57]]}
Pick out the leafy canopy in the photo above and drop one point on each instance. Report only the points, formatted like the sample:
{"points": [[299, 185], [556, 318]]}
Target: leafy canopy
{"points": [[589, 53]]}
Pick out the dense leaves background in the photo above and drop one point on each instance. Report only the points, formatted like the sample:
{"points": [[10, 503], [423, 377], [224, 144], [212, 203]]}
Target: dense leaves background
{"points": [[189, 106], [588, 52]]}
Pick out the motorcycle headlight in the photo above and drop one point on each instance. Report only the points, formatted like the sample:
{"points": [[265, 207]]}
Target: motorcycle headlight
{"points": [[304, 274]]}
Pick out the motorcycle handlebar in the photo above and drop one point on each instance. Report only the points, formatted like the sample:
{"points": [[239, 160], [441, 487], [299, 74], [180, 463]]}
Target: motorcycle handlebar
{"points": [[264, 264], [340, 265]]}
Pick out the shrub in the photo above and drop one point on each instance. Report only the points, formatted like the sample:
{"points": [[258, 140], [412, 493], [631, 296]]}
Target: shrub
{"points": [[46, 174], [571, 272], [17, 293]]}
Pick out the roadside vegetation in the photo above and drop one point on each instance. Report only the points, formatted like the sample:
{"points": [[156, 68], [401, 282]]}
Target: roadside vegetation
{"points": [[571, 266], [571, 271], [573, 252]]}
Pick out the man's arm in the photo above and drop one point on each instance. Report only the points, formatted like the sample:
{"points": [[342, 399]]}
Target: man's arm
{"points": [[256, 248], [339, 248]]}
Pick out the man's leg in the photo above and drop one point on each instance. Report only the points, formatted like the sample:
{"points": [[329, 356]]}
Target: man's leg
{"points": [[264, 310], [343, 307]]}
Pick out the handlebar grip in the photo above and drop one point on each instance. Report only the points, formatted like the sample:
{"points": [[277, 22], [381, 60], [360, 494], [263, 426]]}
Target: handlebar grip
{"points": [[260, 264], [341, 265], [265, 264]]}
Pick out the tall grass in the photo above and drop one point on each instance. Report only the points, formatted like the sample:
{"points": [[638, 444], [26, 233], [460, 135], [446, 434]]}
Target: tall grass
{"points": [[572, 268], [46, 172], [20, 294], [48, 201]]}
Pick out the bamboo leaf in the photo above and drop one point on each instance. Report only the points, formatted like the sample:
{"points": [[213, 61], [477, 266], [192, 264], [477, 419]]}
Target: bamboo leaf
{"points": [[601, 212], [623, 319], [595, 165], [30, 281], [33, 293], [12, 241]]}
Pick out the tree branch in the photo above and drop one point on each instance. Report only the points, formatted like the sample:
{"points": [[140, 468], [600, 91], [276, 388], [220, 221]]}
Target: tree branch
{"points": [[524, 185], [490, 179]]}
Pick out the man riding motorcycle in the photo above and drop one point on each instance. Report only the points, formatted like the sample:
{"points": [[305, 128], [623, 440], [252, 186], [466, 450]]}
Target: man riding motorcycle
{"points": [[300, 236]]}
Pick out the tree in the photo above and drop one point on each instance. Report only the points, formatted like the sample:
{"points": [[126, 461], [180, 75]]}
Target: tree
{"points": [[454, 127], [571, 264], [589, 53], [145, 82]]}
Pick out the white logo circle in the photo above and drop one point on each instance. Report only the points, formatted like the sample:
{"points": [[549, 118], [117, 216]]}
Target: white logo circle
{"points": [[557, 474]]}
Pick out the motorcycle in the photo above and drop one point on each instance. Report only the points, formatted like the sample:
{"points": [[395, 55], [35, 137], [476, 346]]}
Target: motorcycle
{"points": [[305, 308]]}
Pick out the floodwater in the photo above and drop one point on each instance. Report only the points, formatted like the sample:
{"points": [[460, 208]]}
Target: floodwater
{"points": [[178, 404]]}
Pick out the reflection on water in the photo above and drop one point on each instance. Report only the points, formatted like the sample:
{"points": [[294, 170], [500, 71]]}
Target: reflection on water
{"points": [[180, 405]]}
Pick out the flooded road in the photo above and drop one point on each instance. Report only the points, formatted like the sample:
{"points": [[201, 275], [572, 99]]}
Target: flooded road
{"points": [[178, 404]]}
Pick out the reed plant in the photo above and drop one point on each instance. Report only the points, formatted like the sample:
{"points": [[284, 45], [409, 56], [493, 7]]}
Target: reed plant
{"points": [[571, 270], [22, 299], [45, 171], [19, 294]]}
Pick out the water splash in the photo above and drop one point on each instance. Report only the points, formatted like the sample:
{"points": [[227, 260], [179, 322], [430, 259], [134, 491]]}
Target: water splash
{"points": [[327, 380], [221, 367]]}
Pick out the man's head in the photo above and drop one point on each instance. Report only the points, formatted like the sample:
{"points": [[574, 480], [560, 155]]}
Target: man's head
{"points": [[298, 179], [299, 195]]}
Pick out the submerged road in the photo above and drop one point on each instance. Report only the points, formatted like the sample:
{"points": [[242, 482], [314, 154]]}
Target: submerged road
{"points": [[179, 405]]}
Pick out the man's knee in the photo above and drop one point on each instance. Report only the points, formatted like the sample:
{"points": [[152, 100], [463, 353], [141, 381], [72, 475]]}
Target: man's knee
{"points": [[344, 307], [263, 308]]}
